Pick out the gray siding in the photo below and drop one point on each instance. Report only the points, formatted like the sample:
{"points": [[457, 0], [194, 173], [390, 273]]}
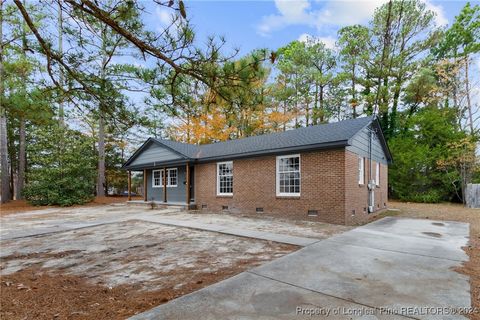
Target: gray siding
{"points": [[174, 194], [359, 145], [154, 153]]}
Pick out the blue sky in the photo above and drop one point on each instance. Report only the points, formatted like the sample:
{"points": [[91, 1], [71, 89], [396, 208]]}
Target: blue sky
{"points": [[271, 24]]}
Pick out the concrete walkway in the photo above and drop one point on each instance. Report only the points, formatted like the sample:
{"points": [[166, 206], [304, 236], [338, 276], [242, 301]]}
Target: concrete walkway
{"points": [[262, 235], [393, 268], [60, 224]]}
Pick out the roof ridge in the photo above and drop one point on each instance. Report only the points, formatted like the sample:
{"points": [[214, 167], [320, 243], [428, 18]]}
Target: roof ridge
{"points": [[322, 136], [269, 133]]}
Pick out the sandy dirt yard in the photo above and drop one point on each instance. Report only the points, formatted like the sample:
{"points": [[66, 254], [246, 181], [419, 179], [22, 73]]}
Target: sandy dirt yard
{"points": [[450, 212], [103, 262], [18, 206], [115, 270]]}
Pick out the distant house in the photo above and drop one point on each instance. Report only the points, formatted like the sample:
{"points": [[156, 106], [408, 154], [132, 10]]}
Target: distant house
{"points": [[320, 172]]}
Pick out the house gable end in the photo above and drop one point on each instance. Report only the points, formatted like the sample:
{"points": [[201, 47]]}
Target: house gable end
{"points": [[359, 144], [152, 151]]}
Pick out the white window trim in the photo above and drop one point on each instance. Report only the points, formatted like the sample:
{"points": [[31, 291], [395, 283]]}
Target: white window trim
{"points": [[168, 178], [377, 174], [277, 173], [161, 178], [153, 179], [361, 171], [218, 179]]}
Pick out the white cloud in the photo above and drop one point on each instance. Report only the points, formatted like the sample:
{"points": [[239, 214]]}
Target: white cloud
{"points": [[165, 16], [328, 41], [299, 12], [331, 13], [440, 18], [290, 12], [292, 9], [343, 13], [304, 37]]}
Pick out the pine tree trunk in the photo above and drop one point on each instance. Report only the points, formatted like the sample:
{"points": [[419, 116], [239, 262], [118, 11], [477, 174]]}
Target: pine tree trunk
{"points": [[394, 113], [322, 111], [307, 113], [21, 160], [5, 179], [5, 183], [22, 130], [61, 114], [315, 105], [101, 127], [385, 48], [354, 97], [469, 103], [101, 156]]}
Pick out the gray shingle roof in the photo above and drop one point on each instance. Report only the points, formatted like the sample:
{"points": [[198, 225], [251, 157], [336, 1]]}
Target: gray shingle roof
{"points": [[337, 133]]}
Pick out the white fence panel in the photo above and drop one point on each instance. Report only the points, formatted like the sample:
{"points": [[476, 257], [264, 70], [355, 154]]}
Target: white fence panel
{"points": [[472, 195]]}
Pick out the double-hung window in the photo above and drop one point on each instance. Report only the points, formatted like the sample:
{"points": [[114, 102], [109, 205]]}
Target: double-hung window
{"points": [[172, 177], [157, 178], [225, 178], [288, 175], [361, 170]]}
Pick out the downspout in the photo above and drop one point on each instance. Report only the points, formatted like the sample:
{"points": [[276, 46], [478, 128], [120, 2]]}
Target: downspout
{"points": [[371, 183]]}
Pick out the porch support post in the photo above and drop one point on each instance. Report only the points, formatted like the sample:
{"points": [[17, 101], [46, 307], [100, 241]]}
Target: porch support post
{"points": [[164, 184], [187, 185], [129, 185], [145, 198]]}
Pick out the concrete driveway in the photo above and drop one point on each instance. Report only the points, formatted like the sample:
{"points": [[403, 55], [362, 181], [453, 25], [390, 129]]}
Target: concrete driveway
{"points": [[393, 268]]}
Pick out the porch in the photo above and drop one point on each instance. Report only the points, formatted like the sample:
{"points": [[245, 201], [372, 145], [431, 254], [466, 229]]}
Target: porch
{"points": [[165, 186]]}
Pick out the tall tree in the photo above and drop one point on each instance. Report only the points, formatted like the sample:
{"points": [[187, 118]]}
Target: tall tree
{"points": [[99, 47], [22, 156], [460, 42], [353, 44], [5, 170], [401, 33], [321, 64]]}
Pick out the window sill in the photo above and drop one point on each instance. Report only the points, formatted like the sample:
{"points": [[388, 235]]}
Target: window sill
{"points": [[296, 197], [224, 195]]}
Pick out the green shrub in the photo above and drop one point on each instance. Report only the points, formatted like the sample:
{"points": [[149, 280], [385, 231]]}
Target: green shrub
{"points": [[415, 174], [62, 168]]}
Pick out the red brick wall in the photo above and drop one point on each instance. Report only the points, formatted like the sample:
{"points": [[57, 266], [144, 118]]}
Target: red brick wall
{"points": [[325, 186], [356, 195]]}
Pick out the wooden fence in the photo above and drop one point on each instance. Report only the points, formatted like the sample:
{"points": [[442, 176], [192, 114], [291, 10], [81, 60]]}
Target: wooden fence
{"points": [[472, 195]]}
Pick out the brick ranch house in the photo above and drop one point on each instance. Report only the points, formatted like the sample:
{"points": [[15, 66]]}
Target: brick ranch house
{"points": [[334, 173]]}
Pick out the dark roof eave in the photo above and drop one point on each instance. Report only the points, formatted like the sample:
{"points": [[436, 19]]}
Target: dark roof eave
{"points": [[383, 141], [282, 151], [154, 165], [139, 150]]}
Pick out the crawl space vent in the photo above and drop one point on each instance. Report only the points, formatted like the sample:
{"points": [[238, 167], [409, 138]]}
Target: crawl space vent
{"points": [[312, 213]]}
